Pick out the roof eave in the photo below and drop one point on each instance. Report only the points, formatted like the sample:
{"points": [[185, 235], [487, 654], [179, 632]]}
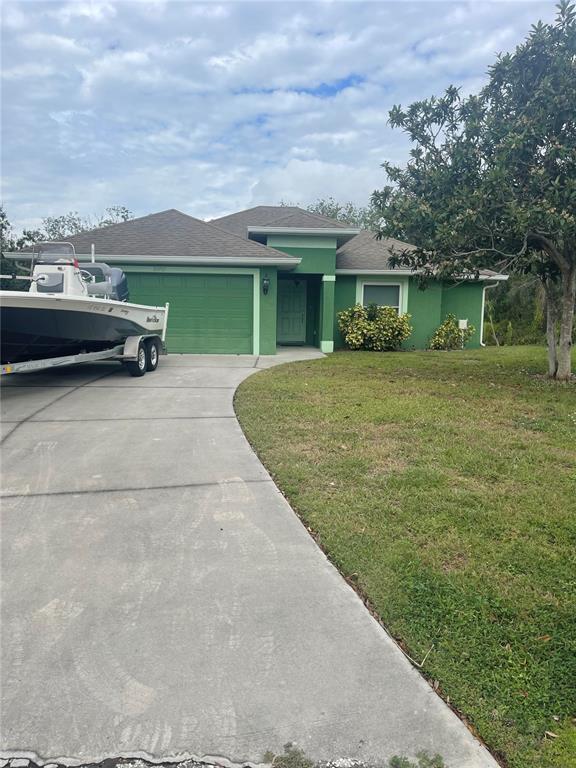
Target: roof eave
{"points": [[305, 230], [288, 262], [403, 272], [342, 234], [283, 262]]}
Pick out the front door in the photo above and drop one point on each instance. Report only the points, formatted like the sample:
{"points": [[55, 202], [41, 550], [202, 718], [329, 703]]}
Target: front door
{"points": [[291, 312]]}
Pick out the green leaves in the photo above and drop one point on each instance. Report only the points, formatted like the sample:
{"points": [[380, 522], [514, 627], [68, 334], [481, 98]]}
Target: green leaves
{"points": [[374, 328], [449, 335]]}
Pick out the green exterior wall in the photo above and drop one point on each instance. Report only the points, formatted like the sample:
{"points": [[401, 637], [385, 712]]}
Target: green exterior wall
{"points": [[425, 308], [465, 301], [268, 312], [318, 256], [344, 297]]}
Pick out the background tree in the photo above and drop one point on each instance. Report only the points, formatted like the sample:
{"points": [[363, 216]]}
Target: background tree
{"points": [[71, 223], [491, 180], [362, 216]]}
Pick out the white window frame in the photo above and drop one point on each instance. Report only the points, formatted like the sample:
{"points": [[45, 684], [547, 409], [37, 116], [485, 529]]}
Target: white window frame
{"points": [[402, 294]]}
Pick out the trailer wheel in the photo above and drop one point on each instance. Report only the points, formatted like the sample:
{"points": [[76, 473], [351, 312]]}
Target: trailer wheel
{"points": [[138, 367], [152, 355]]}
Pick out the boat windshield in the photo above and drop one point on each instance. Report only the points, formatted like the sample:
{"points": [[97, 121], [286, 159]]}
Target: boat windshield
{"points": [[51, 252]]}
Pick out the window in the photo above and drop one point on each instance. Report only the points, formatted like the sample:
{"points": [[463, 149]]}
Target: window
{"points": [[383, 295]]}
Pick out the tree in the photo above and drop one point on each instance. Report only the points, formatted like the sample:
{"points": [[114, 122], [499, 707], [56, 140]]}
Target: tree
{"points": [[71, 223], [53, 228], [355, 215], [491, 180]]}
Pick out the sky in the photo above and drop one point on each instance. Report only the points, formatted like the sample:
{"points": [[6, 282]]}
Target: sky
{"points": [[215, 107]]}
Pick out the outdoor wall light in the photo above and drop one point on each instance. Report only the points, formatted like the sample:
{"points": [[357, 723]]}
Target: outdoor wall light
{"points": [[265, 285]]}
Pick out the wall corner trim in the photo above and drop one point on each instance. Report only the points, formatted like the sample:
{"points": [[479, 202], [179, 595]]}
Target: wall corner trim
{"points": [[328, 278], [326, 346]]}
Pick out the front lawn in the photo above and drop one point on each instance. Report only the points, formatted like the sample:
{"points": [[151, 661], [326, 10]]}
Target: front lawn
{"points": [[443, 485]]}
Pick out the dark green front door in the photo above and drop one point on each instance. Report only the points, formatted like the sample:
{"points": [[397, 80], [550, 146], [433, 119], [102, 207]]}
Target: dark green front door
{"points": [[291, 312], [208, 312]]}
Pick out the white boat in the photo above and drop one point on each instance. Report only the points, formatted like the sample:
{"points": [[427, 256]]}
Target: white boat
{"points": [[68, 310]]}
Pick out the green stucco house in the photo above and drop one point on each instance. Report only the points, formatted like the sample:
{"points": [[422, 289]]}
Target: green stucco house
{"points": [[271, 276]]}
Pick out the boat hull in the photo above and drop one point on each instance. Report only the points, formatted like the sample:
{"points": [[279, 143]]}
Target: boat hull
{"points": [[38, 327]]}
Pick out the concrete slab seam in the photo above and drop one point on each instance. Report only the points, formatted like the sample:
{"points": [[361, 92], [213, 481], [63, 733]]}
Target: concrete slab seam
{"points": [[56, 400], [134, 489]]}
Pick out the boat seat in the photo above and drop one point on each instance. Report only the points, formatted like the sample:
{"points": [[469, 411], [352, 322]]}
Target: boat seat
{"points": [[100, 289]]}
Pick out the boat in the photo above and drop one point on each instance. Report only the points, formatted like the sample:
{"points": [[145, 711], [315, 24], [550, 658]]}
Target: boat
{"points": [[71, 309]]}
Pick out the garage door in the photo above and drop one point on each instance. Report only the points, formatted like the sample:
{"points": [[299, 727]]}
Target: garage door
{"points": [[208, 313]]}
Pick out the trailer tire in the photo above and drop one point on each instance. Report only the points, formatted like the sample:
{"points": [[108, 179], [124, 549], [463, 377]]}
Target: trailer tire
{"points": [[139, 366], [152, 354]]}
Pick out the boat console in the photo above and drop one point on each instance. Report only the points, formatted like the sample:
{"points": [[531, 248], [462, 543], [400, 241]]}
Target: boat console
{"points": [[56, 270]]}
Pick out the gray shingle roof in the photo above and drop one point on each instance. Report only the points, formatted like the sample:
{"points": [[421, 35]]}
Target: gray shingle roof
{"points": [[364, 252], [170, 234], [272, 216], [305, 219]]}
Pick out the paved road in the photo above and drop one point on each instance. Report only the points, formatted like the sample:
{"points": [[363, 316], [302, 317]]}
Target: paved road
{"points": [[160, 596]]}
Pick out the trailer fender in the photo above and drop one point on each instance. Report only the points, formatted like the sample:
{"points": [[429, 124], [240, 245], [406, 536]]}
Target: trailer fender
{"points": [[132, 344]]}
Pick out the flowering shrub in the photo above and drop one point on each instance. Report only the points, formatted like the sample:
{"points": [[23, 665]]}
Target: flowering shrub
{"points": [[450, 336], [373, 327]]}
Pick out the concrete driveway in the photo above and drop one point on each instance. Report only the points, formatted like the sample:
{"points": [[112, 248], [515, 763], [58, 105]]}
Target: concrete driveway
{"points": [[160, 597]]}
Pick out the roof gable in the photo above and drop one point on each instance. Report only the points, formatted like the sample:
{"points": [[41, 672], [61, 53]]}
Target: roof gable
{"points": [[300, 219], [290, 216]]}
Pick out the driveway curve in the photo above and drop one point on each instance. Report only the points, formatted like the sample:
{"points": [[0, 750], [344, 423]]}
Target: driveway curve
{"points": [[160, 598]]}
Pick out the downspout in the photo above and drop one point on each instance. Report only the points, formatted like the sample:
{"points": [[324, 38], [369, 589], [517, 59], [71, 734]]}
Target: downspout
{"points": [[493, 285]]}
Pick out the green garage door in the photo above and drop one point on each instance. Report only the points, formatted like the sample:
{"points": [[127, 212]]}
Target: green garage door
{"points": [[208, 313]]}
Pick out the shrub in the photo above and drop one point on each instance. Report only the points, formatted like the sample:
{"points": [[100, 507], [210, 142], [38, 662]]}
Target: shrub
{"points": [[375, 328], [450, 336]]}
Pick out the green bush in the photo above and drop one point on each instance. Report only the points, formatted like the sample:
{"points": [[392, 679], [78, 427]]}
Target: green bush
{"points": [[375, 328], [450, 336]]}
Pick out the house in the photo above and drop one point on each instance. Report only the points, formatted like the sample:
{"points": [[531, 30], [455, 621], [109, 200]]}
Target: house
{"points": [[269, 276]]}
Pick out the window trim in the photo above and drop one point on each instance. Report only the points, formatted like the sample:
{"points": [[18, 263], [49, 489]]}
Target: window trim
{"points": [[402, 285]]}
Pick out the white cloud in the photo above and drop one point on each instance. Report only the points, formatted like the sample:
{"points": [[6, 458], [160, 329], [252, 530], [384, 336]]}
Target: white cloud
{"points": [[93, 10], [43, 42], [31, 70], [304, 181]]}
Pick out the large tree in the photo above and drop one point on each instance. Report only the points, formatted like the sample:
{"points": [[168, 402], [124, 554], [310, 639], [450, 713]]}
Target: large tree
{"points": [[491, 179]]}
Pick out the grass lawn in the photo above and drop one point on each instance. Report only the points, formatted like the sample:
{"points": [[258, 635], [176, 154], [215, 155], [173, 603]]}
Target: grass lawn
{"points": [[444, 486]]}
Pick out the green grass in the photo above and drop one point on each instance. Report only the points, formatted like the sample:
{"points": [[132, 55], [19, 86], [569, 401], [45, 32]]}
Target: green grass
{"points": [[444, 486]]}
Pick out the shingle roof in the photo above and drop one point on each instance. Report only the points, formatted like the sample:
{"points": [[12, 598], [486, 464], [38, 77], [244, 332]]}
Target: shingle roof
{"points": [[170, 234], [275, 215], [305, 219], [364, 252]]}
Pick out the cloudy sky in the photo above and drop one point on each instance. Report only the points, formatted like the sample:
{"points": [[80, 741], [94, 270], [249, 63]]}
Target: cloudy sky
{"points": [[213, 107]]}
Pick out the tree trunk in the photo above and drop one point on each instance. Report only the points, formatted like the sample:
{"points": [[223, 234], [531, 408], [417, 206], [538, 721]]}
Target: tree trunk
{"points": [[489, 311], [551, 329], [567, 301]]}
